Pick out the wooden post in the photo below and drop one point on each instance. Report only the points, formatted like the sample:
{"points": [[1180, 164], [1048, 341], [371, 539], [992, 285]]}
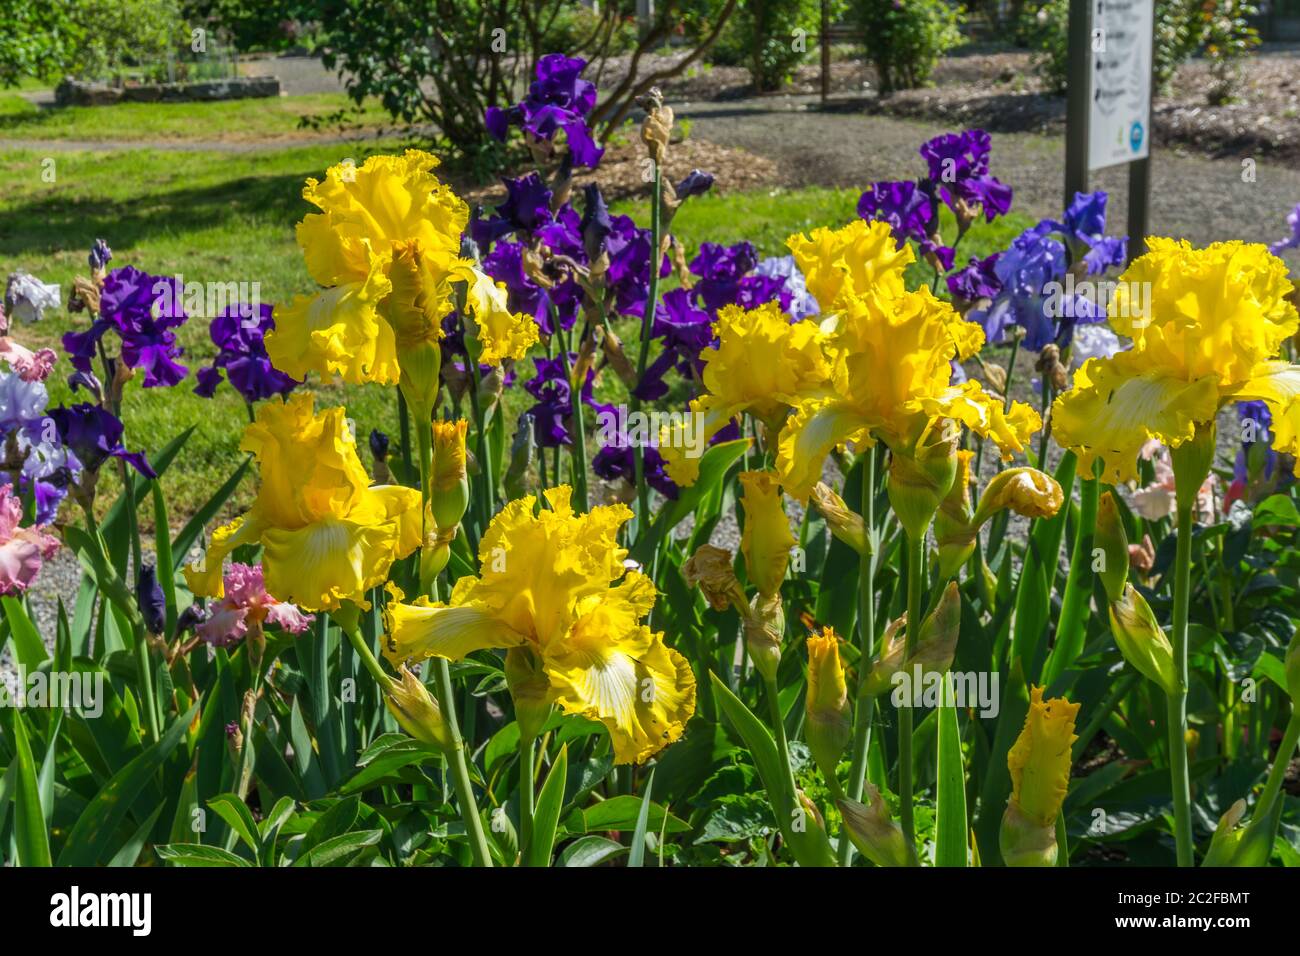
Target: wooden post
{"points": [[826, 51], [1078, 98]]}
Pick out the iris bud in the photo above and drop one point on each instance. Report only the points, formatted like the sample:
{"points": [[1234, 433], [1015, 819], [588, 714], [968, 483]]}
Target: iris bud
{"points": [[414, 708], [1142, 641], [874, 832], [844, 524], [1109, 536], [767, 540], [829, 724], [954, 532], [1192, 460], [449, 484], [763, 627]]}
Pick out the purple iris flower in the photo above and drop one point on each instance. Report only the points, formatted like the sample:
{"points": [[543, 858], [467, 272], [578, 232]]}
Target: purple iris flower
{"points": [[629, 265], [47, 465], [1292, 241], [558, 100], [1258, 470], [617, 460], [554, 407], [1084, 231], [684, 330], [238, 335], [906, 208], [959, 168], [978, 280], [1034, 260], [527, 207], [143, 309], [94, 435], [150, 600], [596, 224], [794, 295]]}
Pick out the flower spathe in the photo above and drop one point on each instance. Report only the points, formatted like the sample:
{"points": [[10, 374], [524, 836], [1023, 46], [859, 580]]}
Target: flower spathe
{"points": [[327, 535], [554, 582], [386, 245], [1215, 322]]}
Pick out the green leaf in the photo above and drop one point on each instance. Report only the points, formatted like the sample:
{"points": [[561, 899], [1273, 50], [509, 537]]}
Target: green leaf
{"points": [[89, 841], [230, 808], [590, 850], [336, 849], [810, 847], [621, 813], [194, 854], [31, 837], [637, 856], [546, 815], [28, 646], [951, 827], [166, 568], [129, 852]]}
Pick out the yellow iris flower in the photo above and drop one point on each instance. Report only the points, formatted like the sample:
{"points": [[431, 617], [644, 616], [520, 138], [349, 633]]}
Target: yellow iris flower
{"points": [[761, 364], [839, 264], [1039, 760], [386, 245], [1210, 334], [891, 381], [547, 582], [327, 535]]}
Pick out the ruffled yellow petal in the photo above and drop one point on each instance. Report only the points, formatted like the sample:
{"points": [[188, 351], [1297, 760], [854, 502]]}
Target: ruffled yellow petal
{"points": [[422, 630], [320, 565], [859, 258], [308, 463], [983, 414], [1277, 385], [1217, 311], [1117, 404], [808, 437], [338, 331], [501, 334], [639, 688], [1039, 760]]}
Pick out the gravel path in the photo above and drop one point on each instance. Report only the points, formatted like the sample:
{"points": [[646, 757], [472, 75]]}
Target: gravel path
{"points": [[1197, 198]]}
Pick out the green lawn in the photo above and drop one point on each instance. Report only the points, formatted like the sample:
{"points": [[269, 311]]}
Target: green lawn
{"points": [[224, 217], [235, 121]]}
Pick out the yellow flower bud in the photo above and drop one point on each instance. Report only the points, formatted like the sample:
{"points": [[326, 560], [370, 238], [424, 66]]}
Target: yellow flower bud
{"points": [[529, 689], [1109, 536], [1039, 762], [767, 540], [410, 702], [1026, 491], [936, 644], [1227, 837], [830, 724], [873, 832], [711, 570], [844, 524], [764, 626], [1142, 641], [448, 483]]}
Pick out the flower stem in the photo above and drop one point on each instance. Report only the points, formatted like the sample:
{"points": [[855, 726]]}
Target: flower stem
{"points": [[915, 595], [1177, 703], [578, 449], [782, 744], [865, 707], [643, 350], [526, 793], [1262, 814]]}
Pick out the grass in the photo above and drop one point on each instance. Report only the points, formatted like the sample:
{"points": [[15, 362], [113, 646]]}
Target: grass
{"points": [[235, 121], [229, 217]]}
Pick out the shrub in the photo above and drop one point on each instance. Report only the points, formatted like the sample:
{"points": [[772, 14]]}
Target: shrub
{"points": [[772, 38], [906, 40]]}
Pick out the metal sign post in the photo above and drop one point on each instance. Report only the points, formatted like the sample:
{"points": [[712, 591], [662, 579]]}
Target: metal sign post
{"points": [[1110, 81]]}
